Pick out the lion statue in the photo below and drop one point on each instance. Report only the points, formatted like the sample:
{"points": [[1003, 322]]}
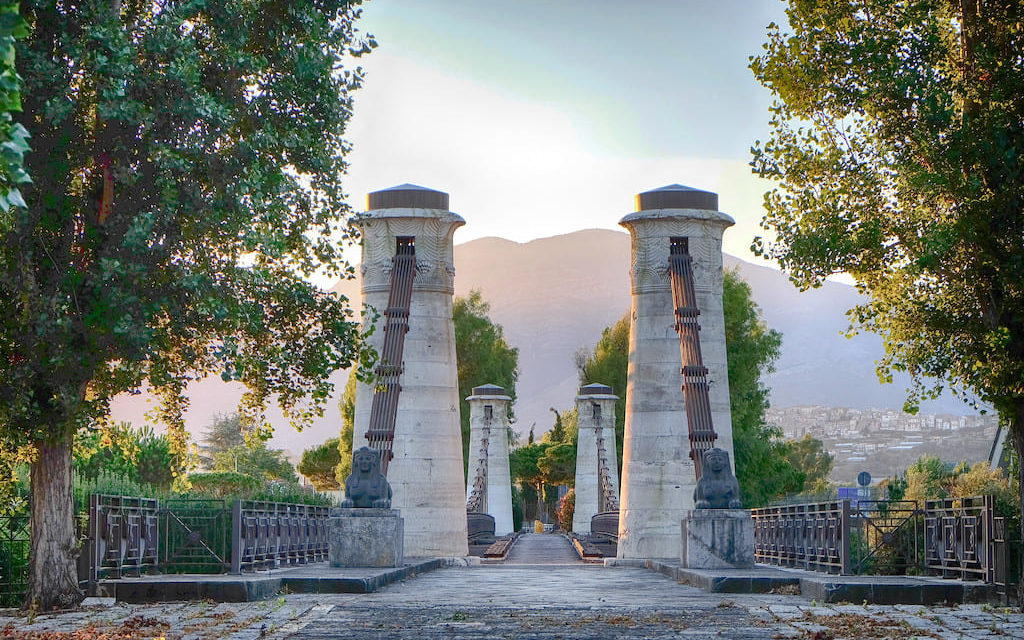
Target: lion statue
{"points": [[717, 487], [366, 487]]}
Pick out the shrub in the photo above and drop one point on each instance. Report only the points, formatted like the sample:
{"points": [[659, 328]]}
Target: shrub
{"points": [[279, 491], [517, 508], [566, 508], [222, 484]]}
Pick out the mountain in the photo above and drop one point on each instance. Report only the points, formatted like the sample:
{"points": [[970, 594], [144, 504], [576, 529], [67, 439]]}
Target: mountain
{"points": [[555, 295]]}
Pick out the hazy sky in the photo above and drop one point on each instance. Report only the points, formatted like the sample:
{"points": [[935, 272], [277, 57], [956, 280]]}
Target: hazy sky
{"points": [[541, 118]]}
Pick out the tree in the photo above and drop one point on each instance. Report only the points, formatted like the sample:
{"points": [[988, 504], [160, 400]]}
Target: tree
{"points": [[557, 433], [138, 455], [898, 148], [762, 468], [320, 465], [484, 357], [347, 404], [13, 135], [256, 460], [13, 138], [225, 433], [230, 446], [809, 457], [186, 179], [525, 469], [558, 464], [607, 365]]}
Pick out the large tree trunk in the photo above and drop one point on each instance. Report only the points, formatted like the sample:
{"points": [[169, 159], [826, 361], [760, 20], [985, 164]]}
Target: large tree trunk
{"points": [[53, 573]]}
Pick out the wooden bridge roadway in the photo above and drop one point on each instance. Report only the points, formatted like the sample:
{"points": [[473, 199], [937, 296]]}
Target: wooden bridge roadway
{"points": [[541, 548]]}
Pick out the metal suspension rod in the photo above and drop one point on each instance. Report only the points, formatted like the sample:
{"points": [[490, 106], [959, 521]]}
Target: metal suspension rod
{"points": [[381, 432], [695, 374]]}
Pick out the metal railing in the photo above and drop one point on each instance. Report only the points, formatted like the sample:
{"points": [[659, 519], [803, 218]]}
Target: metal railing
{"points": [[1006, 551], [123, 536], [814, 537], [884, 536], [268, 535], [130, 536], [958, 536], [14, 551], [195, 536], [953, 538]]}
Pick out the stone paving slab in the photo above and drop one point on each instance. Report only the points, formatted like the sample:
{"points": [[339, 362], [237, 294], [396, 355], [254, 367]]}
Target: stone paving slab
{"points": [[524, 602], [253, 587], [905, 590]]}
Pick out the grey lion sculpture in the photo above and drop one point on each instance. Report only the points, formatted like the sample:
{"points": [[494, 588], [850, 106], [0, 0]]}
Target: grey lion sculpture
{"points": [[366, 487], [717, 487]]}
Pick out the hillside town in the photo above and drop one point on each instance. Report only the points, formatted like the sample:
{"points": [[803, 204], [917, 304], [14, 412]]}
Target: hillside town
{"points": [[885, 442]]}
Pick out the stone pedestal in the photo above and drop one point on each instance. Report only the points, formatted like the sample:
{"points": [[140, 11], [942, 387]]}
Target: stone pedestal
{"points": [[717, 539], [426, 471], [367, 538], [595, 450], [658, 476], [488, 457]]}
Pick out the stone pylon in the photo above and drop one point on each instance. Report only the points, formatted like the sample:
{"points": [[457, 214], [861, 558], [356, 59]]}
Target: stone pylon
{"points": [[426, 472], [597, 473], [488, 480], [658, 476]]}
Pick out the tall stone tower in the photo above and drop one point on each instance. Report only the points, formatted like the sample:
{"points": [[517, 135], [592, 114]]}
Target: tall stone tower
{"points": [[597, 473], [658, 476], [426, 471], [488, 479]]}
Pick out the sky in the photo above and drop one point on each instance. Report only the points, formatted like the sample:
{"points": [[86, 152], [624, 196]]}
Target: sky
{"points": [[546, 117]]}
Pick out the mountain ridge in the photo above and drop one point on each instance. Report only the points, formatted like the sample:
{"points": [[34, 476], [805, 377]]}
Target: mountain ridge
{"points": [[554, 295]]}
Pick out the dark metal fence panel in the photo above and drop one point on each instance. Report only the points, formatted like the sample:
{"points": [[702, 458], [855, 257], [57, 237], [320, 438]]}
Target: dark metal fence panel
{"points": [[884, 537], [195, 536], [1006, 550], [814, 537], [957, 538], [267, 535], [14, 550], [122, 536]]}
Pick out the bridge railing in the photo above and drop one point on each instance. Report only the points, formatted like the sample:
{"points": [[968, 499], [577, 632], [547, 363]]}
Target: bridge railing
{"points": [[953, 538], [814, 537], [131, 536]]}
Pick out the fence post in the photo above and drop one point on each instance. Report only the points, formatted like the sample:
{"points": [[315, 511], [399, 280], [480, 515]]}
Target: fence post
{"points": [[988, 531], [236, 537], [92, 547], [844, 546]]}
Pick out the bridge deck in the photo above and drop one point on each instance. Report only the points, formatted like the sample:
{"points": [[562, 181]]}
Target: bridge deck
{"points": [[542, 548]]}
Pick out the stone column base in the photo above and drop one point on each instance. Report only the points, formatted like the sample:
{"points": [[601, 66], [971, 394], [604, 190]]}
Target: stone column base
{"points": [[367, 538], [717, 539]]}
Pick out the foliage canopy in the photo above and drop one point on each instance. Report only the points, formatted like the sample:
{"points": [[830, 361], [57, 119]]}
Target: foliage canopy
{"points": [[762, 467], [483, 355], [320, 465], [898, 148], [186, 170]]}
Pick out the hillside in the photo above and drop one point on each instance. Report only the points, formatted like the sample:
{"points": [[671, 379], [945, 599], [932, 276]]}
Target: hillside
{"points": [[555, 295]]}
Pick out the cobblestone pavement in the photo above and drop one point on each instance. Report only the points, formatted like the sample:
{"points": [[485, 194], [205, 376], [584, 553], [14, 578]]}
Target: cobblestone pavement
{"points": [[556, 601]]}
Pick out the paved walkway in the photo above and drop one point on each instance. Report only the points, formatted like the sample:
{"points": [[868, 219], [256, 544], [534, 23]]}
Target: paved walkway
{"points": [[523, 602], [542, 548]]}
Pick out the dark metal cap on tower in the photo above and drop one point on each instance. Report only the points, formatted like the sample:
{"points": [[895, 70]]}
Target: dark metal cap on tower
{"points": [[676, 196], [407, 196], [488, 390], [596, 389]]}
